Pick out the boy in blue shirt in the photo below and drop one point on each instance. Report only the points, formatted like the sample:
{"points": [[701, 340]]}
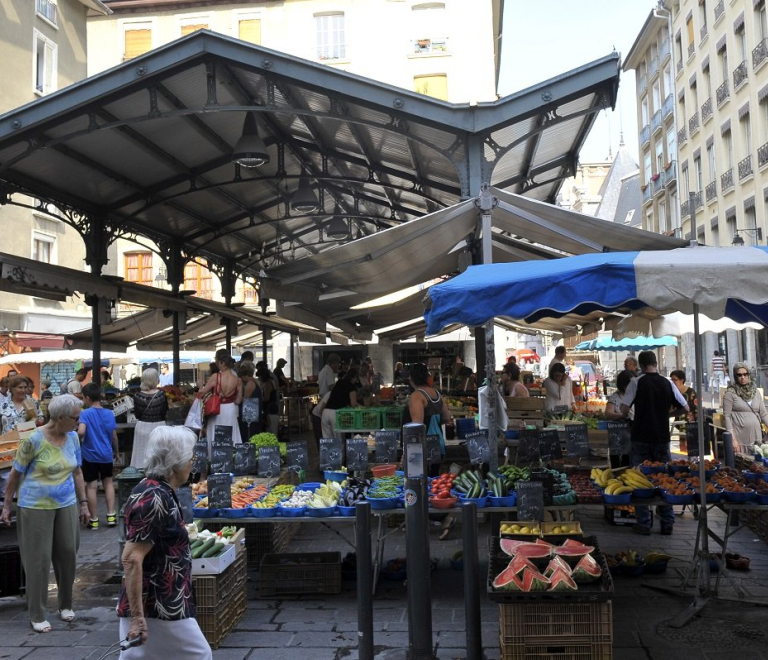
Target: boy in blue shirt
{"points": [[98, 440]]}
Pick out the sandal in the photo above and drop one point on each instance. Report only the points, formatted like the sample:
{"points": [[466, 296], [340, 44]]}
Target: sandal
{"points": [[41, 627], [67, 615]]}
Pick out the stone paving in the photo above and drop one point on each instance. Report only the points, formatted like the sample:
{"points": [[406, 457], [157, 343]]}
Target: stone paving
{"points": [[326, 627]]}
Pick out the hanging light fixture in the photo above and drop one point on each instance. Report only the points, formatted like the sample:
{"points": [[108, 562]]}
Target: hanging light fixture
{"points": [[337, 228], [304, 199], [250, 150]]}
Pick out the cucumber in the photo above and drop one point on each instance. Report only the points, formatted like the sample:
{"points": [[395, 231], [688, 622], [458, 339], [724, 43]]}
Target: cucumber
{"points": [[196, 543], [199, 550], [214, 550]]}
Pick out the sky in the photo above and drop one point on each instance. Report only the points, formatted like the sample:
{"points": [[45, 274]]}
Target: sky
{"points": [[543, 39]]}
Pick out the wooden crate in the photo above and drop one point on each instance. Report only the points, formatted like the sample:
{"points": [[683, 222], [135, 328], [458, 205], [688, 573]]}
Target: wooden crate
{"points": [[532, 403]]}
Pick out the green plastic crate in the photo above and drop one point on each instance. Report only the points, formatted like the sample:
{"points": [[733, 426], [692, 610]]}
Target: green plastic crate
{"points": [[346, 418], [391, 417], [358, 418]]}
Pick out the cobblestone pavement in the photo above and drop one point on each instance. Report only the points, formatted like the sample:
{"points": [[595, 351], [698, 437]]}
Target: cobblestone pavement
{"points": [[326, 628]]}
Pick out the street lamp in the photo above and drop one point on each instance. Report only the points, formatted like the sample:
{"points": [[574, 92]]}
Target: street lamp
{"points": [[756, 231]]}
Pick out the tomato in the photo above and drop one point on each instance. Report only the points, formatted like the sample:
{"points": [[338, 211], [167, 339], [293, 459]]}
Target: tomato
{"points": [[444, 495]]}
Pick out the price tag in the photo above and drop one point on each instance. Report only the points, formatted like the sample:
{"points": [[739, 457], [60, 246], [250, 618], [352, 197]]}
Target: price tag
{"points": [[549, 444], [530, 500], [296, 456], [577, 440], [185, 502], [386, 446], [250, 411], [433, 450], [222, 450], [528, 446], [244, 459], [331, 454], [619, 438], [478, 447], [357, 454], [219, 491], [269, 461], [200, 456]]}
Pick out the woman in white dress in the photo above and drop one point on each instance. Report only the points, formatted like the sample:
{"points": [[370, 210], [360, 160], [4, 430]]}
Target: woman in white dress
{"points": [[230, 389], [150, 406]]}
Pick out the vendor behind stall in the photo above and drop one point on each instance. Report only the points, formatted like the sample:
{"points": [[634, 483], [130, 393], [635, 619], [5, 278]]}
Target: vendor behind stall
{"points": [[558, 388], [343, 395]]}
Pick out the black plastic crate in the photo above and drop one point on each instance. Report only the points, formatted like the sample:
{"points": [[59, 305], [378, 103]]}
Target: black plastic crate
{"points": [[300, 574], [12, 578]]}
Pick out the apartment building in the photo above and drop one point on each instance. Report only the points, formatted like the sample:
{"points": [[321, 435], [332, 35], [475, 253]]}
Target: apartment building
{"points": [[702, 89], [42, 48]]}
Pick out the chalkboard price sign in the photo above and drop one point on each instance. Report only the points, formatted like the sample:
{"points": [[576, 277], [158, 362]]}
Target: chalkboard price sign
{"points": [[528, 446], [619, 438], [530, 500], [244, 459], [200, 456], [433, 450], [549, 444], [219, 491], [250, 411], [478, 447], [269, 461], [386, 446], [185, 502], [577, 440], [331, 454], [357, 454], [296, 456], [222, 450]]}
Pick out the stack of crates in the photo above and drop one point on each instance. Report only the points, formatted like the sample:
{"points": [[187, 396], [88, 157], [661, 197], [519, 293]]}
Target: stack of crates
{"points": [[300, 574], [566, 630], [221, 599], [391, 417]]}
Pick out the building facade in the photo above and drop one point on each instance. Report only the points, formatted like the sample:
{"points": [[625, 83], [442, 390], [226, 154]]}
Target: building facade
{"points": [[42, 48]]}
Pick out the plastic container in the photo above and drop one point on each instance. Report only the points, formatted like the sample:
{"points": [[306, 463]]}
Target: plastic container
{"points": [[738, 497], [383, 503], [464, 426], [643, 493], [509, 500], [447, 503], [657, 568], [679, 499], [632, 571], [383, 470], [761, 498], [324, 512], [258, 512], [623, 498], [480, 502], [236, 513], [204, 513], [648, 469], [347, 511], [287, 512], [335, 475], [712, 498], [512, 434], [309, 485]]}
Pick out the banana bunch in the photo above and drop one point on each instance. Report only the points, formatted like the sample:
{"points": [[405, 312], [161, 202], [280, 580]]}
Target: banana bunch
{"points": [[629, 557], [656, 558], [635, 479], [605, 479], [616, 487]]}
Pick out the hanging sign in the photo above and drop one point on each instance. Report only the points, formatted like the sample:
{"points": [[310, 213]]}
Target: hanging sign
{"points": [[478, 447]]}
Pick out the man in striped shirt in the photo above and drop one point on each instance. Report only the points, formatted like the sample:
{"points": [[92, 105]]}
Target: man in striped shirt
{"points": [[718, 370]]}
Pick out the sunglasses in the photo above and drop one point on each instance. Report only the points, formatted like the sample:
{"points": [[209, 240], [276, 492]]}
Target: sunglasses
{"points": [[742, 375]]}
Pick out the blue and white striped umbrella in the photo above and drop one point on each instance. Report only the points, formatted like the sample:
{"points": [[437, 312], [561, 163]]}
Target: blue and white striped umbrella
{"points": [[727, 281], [627, 344]]}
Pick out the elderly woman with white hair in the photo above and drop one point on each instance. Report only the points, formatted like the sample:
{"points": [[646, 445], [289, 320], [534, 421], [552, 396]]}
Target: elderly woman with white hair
{"points": [[51, 504], [156, 601], [150, 406]]}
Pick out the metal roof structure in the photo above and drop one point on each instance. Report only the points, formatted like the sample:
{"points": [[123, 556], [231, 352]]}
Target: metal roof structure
{"points": [[146, 150]]}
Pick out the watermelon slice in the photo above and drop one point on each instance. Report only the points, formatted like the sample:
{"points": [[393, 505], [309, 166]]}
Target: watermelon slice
{"points": [[533, 550], [543, 542], [554, 564], [508, 546], [573, 548], [560, 581], [587, 570], [520, 563], [507, 580], [534, 581]]}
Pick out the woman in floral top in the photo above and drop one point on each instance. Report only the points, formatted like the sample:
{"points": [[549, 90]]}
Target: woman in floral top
{"points": [[156, 598]]}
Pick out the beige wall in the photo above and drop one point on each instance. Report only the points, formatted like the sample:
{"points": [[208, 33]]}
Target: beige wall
{"points": [[379, 35], [581, 192]]}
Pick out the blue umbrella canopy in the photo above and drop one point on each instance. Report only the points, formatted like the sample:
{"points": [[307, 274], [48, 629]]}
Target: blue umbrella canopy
{"points": [[626, 344]]}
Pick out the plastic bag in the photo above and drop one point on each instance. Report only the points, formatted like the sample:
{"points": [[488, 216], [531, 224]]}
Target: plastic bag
{"points": [[195, 416]]}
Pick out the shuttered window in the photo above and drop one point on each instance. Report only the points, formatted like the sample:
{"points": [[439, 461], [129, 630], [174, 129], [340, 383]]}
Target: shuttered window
{"points": [[138, 267], [249, 29], [189, 29], [137, 42], [198, 278], [435, 86]]}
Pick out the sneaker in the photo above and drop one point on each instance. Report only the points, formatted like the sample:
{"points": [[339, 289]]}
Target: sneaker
{"points": [[639, 529], [666, 531], [111, 519], [93, 524]]}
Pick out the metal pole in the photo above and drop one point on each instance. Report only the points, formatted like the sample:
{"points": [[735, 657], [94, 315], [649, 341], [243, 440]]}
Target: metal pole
{"points": [[471, 582], [176, 347], [228, 335], [293, 357], [417, 543], [96, 339], [364, 581], [692, 211]]}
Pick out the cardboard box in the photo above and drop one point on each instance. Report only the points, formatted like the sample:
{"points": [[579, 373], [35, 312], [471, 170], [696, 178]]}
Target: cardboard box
{"points": [[122, 405], [214, 565]]}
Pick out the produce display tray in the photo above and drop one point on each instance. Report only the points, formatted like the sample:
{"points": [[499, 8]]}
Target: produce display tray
{"points": [[593, 592]]}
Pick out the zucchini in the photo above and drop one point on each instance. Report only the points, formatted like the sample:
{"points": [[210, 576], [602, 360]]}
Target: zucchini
{"points": [[213, 550], [199, 550], [196, 543]]}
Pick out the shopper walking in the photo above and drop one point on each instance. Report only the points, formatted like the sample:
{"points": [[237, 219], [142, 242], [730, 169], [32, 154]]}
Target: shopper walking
{"points": [[229, 388], [744, 410], [250, 408], [150, 406], [718, 369]]}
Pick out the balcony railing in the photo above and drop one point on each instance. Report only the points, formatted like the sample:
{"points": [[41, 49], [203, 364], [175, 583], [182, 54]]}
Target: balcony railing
{"points": [[745, 168], [699, 199], [645, 135], [664, 50], [653, 67], [711, 191], [762, 156], [706, 110], [679, 65], [47, 10], [759, 53], [657, 184], [670, 174], [726, 181], [719, 10], [646, 193], [740, 74], [691, 50], [669, 106], [643, 83], [703, 32], [656, 121], [684, 210], [693, 124], [722, 94], [681, 136]]}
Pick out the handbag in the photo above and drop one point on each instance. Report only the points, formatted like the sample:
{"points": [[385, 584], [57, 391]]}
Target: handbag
{"points": [[213, 403]]}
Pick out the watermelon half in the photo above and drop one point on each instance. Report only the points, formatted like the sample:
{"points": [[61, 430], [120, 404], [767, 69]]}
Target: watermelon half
{"points": [[507, 580], [573, 548], [554, 564], [534, 581], [561, 581], [508, 546], [520, 563], [587, 570], [533, 550]]}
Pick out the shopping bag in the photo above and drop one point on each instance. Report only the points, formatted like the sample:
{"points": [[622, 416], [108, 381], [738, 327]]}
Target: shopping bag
{"points": [[195, 416]]}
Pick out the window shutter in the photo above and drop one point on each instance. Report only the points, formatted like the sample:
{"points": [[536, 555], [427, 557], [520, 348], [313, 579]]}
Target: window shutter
{"points": [[189, 29], [51, 82], [250, 30], [137, 42]]}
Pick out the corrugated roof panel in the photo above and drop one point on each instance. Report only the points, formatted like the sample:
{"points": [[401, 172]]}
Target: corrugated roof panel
{"points": [[509, 134], [557, 140], [510, 164]]}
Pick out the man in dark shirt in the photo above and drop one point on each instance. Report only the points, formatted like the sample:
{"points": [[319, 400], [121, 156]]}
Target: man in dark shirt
{"points": [[655, 401]]}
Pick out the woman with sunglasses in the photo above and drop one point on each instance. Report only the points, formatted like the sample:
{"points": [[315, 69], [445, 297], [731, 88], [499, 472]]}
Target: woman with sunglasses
{"points": [[744, 410]]}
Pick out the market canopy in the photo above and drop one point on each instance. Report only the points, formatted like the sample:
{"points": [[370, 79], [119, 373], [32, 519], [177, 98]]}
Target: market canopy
{"points": [[626, 344]]}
